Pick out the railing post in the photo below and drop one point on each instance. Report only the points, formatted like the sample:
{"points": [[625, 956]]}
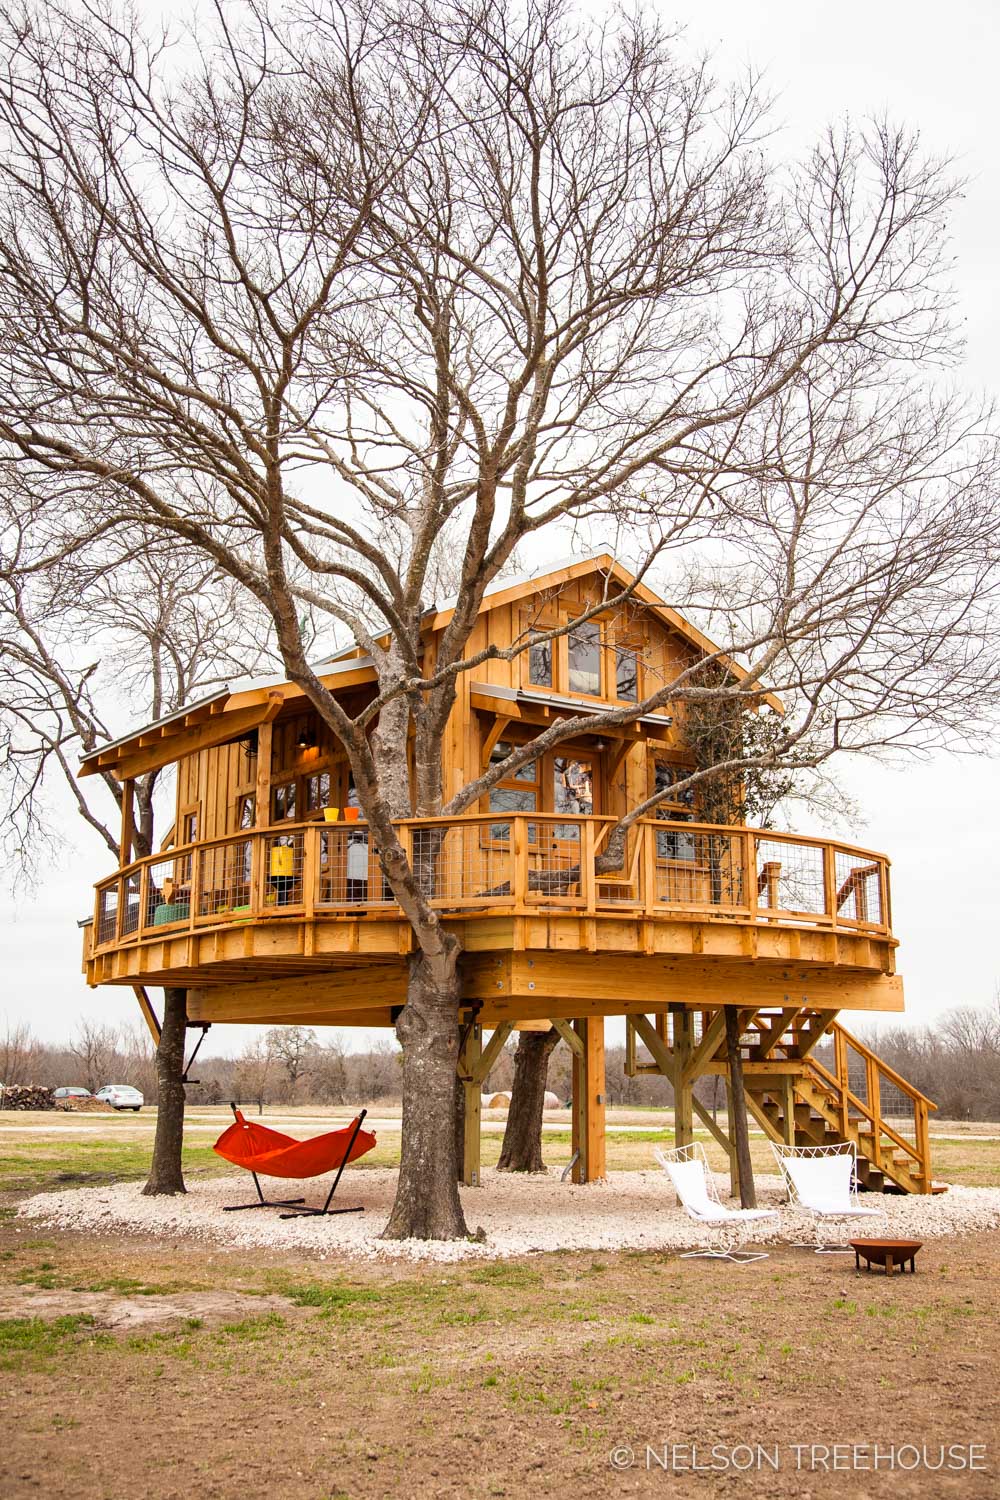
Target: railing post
{"points": [[875, 1105], [310, 868], [143, 898], [840, 1065], [830, 883], [923, 1142], [647, 864], [750, 872], [588, 875], [519, 883], [193, 898]]}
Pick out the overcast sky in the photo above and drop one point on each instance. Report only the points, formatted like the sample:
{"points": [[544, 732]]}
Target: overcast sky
{"points": [[934, 68]]}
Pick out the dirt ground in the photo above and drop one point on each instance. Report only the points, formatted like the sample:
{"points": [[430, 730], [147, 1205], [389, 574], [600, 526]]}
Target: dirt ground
{"points": [[138, 1368]]}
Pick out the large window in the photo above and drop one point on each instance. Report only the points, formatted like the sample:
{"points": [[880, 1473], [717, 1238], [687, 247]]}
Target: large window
{"points": [[673, 843], [283, 801], [540, 662], [318, 791], [585, 659]]}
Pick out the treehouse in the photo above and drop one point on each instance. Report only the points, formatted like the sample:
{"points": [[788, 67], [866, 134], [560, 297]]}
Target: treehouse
{"points": [[267, 903]]}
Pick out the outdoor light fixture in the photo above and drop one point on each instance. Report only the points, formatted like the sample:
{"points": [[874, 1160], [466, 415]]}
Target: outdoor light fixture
{"points": [[305, 740]]}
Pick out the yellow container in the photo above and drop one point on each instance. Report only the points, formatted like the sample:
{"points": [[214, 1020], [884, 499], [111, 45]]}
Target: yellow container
{"points": [[331, 814], [282, 862]]}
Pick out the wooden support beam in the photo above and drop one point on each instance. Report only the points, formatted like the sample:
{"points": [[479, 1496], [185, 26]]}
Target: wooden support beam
{"points": [[493, 737], [148, 1013], [769, 1038], [720, 1137], [683, 1028], [711, 1041], [492, 1050], [262, 784], [589, 1146], [326, 993], [569, 1036], [615, 984], [655, 1046], [126, 843], [470, 1073]]}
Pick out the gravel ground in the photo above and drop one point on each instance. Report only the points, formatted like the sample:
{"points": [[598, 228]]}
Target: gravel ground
{"points": [[520, 1215]]}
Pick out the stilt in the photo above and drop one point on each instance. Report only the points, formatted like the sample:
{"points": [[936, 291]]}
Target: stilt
{"points": [[682, 1021], [469, 1070], [589, 1144]]}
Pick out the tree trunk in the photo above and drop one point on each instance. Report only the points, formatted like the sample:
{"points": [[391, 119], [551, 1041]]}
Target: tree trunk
{"points": [[738, 1123], [522, 1139], [427, 1205], [165, 1175]]}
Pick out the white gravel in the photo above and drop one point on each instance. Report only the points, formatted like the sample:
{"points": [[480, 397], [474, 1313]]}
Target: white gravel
{"points": [[520, 1215]]}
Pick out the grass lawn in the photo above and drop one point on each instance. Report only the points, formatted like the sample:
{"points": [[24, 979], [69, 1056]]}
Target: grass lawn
{"points": [[166, 1369]]}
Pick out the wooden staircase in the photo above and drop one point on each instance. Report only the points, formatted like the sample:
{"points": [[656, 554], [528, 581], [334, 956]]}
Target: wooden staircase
{"points": [[851, 1096]]}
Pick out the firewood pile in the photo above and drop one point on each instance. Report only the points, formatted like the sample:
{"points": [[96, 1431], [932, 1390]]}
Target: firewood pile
{"points": [[80, 1106], [26, 1096]]}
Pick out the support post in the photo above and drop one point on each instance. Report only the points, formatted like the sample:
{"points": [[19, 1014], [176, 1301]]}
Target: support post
{"points": [[738, 1129], [734, 1166], [787, 1085], [127, 842], [683, 1049], [589, 1146], [469, 1065]]}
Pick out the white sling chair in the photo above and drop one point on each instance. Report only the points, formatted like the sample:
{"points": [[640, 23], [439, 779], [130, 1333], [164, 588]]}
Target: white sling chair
{"points": [[728, 1228], [823, 1181]]}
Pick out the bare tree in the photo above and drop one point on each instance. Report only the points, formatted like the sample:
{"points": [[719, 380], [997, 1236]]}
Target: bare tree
{"points": [[254, 1072], [443, 278], [18, 1054], [292, 1047], [96, 1049], [92, 632]]}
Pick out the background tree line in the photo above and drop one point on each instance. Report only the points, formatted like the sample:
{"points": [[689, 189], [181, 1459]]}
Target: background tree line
{"points": [[955, 1061]]}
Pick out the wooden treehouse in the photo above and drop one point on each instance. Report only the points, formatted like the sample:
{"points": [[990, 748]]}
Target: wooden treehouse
{"points": [[267, 904]]}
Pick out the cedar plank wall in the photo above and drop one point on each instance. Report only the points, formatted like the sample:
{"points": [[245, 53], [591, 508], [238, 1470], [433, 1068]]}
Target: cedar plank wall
{"points": [[213, 780]]}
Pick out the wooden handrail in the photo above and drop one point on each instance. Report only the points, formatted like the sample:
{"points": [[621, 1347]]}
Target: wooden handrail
{"points": [[522, 889]]}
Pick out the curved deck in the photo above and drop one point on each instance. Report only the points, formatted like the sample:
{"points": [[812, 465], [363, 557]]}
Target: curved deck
{"points": [[697, 913]]}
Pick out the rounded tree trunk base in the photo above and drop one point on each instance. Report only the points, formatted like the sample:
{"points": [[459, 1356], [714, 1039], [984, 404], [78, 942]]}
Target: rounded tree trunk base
{"points": [[427, 1204], [166, 1177]]}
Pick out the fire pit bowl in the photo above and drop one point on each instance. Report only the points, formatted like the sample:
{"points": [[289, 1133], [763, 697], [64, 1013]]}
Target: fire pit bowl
{"points": [[887, 1253]]}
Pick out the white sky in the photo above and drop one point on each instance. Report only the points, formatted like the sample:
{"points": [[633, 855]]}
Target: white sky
{"points": [[932, 68]]}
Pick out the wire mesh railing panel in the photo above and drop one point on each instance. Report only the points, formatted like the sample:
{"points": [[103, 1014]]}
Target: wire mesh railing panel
{"points": [[107, 913], [168, 892], [698, 869], [554, 855], [284, 862], [349, 873], [897, 1108], [790, 876], [131, 905], [225, 879], [468, 862], [859, 887]]}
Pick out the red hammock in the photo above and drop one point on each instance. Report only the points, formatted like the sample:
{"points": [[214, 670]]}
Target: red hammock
{"points": [[257, 1148]]}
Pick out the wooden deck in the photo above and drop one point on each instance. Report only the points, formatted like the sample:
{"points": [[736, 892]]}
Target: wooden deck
{"points": [[295, 922]]}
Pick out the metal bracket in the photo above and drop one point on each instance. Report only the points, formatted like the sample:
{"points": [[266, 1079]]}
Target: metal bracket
{"points": [[206, 1027]]}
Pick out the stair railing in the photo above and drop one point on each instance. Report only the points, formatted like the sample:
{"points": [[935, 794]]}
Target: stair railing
{"points": [[877, 1072]]}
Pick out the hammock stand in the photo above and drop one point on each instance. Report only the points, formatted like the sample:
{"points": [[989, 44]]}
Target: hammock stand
{"points": [[256, 1148]]}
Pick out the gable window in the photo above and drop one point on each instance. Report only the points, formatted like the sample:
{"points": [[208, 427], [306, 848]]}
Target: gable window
{"points": [[627, 673], [189, 828], [318, 791], [585, 659], [540, 662], [283, 801]]}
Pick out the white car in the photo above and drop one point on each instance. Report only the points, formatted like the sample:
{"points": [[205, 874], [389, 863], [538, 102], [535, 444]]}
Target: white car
{"points": [[120, 1096]]}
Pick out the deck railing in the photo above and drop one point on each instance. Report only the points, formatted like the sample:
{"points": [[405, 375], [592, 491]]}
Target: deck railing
{"points": [[511, 862]]}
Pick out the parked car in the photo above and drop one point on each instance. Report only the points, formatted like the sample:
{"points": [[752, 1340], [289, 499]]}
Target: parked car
{"points": [[121, 1096], [72, 1092]]}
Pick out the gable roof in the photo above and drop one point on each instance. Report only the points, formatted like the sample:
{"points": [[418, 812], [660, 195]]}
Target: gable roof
{"points": [[238, 707]]}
